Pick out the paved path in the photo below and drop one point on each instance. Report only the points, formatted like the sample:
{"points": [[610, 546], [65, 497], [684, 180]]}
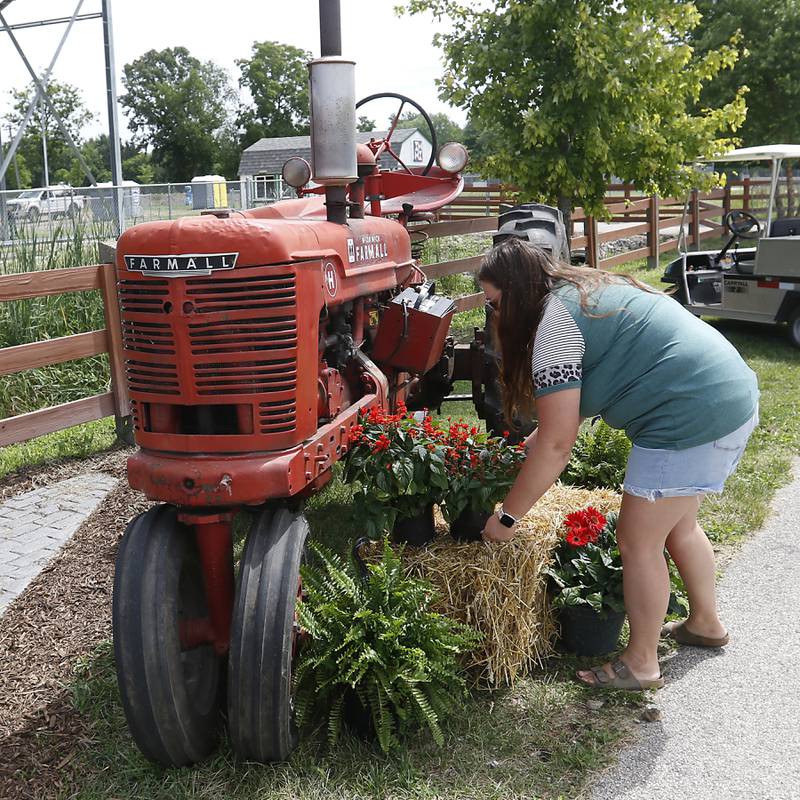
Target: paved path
{"points": [[34, 526], [730, 725]]}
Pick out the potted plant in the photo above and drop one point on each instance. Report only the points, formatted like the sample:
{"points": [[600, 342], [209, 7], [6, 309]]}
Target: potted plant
{"points": [[398, 463], [586, 583], [375, 654], [480, 469]]}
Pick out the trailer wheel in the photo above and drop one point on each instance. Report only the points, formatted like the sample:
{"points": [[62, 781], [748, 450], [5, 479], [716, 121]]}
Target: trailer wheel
{"points": [[794, 327], [263, 638], [171, 696]]}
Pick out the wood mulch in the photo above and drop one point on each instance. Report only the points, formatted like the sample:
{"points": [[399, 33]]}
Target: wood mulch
{"points": [[63, 614]]}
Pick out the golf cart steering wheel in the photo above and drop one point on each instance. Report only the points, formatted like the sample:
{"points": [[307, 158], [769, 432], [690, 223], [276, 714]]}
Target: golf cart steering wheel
{"points": [[741, 225], [386, 146]]}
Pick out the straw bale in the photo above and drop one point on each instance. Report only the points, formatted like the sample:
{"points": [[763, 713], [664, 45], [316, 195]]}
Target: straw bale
{"points": [[500, 589]]}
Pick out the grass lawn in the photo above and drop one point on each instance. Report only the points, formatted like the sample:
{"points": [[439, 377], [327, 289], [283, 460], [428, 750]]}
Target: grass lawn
{"points": [[539, 740]]}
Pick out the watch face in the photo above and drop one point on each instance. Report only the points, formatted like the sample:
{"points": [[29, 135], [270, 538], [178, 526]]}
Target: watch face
{"points": [[507, 520]]}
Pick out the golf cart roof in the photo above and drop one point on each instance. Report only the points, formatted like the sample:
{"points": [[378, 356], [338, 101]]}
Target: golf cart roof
{"points": [[764, 152]]}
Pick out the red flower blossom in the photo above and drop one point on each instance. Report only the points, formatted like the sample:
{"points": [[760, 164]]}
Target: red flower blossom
{"points": [[382, 444], [584, 526]]}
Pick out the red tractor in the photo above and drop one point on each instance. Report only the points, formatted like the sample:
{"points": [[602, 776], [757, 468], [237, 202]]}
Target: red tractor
{"points": [[252, 342]]}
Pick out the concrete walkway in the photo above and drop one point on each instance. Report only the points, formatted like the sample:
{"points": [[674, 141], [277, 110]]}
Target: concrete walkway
{"points": [[35, 525], [730, 725]]}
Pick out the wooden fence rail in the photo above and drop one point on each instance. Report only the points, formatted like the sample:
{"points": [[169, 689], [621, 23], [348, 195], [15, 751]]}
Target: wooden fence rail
{"points": [[630, 214], [44, 283]]}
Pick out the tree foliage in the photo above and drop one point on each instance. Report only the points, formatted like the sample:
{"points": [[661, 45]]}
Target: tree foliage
{"points": [[69, 104], [446, 130], [277, 79], [769, 67], [177, 105], [580, 90]]}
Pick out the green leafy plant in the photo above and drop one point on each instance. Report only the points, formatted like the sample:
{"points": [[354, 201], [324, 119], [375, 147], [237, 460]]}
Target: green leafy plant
{"points": [[599, 458], [587, 566], [376, 638], [480, 468], [398, 463]]}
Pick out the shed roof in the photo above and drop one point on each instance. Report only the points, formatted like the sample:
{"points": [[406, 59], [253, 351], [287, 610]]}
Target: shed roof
{"points": [[267, 156], [763, 152]]}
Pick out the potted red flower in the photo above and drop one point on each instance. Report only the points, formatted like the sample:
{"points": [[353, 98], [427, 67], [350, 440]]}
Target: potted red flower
{"points": [[586, 583], [480, 470], [398, 463]]}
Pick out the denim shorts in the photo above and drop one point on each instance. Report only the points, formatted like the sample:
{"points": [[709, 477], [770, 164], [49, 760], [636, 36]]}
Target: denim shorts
{"points": [[654, 474]]}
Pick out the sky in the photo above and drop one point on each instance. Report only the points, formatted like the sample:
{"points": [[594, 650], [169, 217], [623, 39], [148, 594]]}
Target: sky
{"points": [[391, 53]]}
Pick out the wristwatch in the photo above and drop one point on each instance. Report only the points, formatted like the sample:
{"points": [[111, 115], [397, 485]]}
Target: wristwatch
{"points": [[505, 518]]}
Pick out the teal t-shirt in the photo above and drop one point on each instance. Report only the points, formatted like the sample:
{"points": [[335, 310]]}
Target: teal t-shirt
{"points": [[645, 364]]}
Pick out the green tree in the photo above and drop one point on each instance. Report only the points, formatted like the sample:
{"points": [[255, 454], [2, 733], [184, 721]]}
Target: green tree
{"points": [[69, 104], [176, 104], [446, 130], [580, 90], [770, 66], [138, 167], [96, 153], [481, 139], [277, 79], [365, 124]]}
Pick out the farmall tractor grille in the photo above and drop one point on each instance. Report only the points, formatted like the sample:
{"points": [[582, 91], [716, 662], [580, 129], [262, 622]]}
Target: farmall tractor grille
{"points": [[227, 342]]}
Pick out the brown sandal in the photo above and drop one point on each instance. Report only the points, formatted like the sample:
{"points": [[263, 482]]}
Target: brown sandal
{"points": [[682, 635], [623, 679]]}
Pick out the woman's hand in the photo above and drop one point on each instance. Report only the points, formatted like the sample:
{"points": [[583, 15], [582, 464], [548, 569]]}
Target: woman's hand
{"points": [[495, 531]]}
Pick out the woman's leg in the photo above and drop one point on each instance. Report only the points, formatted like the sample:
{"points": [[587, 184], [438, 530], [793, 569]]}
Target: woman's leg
{"points": [[642, 531], [694, 557]]}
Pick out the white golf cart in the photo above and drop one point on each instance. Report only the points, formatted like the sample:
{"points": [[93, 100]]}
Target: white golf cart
{"points": [[757, 284]]}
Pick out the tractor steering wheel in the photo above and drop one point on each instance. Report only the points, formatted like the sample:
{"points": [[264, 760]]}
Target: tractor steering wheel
{"points": [[741, 224], [386, 146]]}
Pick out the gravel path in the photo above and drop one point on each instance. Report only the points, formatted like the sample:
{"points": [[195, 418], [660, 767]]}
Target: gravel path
{"points": [[730, 724]]}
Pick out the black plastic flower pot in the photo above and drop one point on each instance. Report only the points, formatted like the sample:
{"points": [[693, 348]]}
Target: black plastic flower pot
{"points": [[357, 718], [469, 524], [417, 530], [586, 633]]}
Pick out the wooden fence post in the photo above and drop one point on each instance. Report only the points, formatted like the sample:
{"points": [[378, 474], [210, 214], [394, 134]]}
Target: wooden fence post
{"points": [[695, 219], [653, 233], [122, 407], [592, 245], [746, 195], [726, 199]]}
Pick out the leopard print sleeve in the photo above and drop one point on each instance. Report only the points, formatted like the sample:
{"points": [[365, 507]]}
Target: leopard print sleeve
{"points": [[558, 350]]}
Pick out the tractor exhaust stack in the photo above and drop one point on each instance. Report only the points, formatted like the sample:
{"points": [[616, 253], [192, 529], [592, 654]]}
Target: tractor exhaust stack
{"points": [[333, 114]]}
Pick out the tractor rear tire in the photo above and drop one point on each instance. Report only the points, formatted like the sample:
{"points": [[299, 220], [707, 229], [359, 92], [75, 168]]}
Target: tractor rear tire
{"points": [[263, 637], [171, 696]]}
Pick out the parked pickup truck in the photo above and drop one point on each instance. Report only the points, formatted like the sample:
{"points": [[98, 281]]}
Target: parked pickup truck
{"points": [[57, 201]]}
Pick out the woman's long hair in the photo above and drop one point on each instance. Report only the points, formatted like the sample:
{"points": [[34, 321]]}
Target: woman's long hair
{"points": [[526, 275]]}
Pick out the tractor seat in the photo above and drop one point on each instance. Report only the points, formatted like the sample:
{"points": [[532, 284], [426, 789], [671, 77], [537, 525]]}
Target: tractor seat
{"points": [[788, 226], [745, 267]]}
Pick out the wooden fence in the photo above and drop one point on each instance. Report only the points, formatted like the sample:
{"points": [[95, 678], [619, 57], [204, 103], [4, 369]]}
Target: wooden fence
{"points": [[630, 214], [22, 357]]}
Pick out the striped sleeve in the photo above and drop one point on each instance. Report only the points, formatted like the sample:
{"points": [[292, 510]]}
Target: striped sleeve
{"points": [[557, 350]]}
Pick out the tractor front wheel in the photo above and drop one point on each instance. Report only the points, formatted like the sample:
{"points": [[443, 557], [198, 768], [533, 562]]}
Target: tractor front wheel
{"points": [[170, 691], [263, 638]]}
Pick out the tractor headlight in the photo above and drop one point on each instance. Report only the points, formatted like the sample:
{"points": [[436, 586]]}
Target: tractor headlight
{"points": [[452, 157], [296, 172]]}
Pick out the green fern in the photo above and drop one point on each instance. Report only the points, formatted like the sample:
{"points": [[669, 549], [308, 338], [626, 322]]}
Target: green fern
{"points": [[378, 639], [599, 458]]}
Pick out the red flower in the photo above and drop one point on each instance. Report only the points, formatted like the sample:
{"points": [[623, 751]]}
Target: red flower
{"points": [[382, 444], [584, 526]]}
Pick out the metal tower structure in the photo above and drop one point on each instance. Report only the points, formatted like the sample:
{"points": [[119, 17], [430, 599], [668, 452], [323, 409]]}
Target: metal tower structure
{"points": [[41, 96]]}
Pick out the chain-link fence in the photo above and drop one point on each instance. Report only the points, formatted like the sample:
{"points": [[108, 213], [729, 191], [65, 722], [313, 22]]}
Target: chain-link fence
{"points": [[54, 213]]}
